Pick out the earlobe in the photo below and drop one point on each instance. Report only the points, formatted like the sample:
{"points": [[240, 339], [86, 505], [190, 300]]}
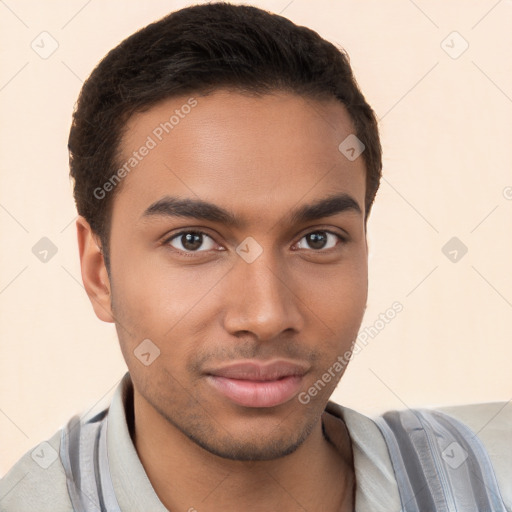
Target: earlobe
{"points": [[94, 271]]}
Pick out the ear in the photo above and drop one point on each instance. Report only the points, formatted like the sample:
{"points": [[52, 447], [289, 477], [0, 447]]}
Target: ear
{"points": [[94, 271]]}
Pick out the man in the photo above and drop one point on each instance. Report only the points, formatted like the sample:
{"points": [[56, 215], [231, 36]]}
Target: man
{"points": [[225, 164]]}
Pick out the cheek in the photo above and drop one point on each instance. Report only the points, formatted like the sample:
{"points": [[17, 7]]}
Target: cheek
{"points": [[337, 301], [337, 294], [158, 302], [338, 314], [154, 295], [351, 296]]}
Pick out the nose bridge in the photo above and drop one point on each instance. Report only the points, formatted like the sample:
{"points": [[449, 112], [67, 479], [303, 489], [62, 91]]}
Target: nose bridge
{"points": [[262, 302]]}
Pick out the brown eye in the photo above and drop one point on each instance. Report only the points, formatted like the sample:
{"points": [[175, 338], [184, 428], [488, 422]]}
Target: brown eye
{"points": [[318, 240], [191, 241]]}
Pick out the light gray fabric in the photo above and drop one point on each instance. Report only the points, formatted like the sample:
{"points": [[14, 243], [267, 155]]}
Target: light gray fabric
{"points": [[27, 487], [376, 486], [439, 463], [492, 423], [84, 457]]}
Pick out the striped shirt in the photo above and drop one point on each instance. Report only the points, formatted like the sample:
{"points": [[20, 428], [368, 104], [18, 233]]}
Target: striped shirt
{"points": [[38, 481]]}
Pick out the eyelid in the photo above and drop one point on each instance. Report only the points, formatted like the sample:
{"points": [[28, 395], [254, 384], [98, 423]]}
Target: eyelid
{"points": [[338, 232]]}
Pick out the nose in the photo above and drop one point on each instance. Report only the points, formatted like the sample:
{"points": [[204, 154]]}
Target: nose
{"points": [[262, 299]]}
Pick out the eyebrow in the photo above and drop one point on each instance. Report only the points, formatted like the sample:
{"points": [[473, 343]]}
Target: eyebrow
{"points": [[169, 206]]}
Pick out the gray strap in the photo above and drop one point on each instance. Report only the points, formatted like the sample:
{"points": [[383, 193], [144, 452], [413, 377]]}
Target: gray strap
{"points": [[83, 452], [439, 463]]}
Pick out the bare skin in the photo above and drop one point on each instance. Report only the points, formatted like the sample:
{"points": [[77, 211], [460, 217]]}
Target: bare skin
{"points": [[204, 306]]}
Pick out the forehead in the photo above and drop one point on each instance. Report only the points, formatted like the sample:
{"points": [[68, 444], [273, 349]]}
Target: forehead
{"points": [[252, 154]]}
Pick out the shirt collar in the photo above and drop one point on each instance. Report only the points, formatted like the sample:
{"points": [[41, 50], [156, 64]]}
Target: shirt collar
{"points": [[376, 486]]}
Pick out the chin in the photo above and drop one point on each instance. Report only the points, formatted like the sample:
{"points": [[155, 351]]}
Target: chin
{"points": [[249, 450], [250, 442]]}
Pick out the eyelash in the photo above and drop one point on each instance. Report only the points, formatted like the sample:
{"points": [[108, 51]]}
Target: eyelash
{"points": [[167, 241]]}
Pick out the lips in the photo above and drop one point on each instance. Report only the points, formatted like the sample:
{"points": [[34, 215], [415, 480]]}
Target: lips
{"points": [[255, 384]]}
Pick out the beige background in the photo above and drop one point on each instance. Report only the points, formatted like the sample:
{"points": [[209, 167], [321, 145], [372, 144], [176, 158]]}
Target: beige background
{"points": [[446, 129]]}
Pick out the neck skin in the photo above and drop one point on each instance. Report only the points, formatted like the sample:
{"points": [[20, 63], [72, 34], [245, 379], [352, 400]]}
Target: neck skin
{"points": [[319, 475]]}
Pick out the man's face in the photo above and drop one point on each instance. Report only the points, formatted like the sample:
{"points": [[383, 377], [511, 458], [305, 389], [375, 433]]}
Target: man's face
{"points": [[268, 288]]}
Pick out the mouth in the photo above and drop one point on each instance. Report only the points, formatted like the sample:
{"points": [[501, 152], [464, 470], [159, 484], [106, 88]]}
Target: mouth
{"points": [[254, 384]]}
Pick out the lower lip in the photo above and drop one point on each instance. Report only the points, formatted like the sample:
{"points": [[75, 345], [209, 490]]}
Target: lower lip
{"points": [[250, 393]]}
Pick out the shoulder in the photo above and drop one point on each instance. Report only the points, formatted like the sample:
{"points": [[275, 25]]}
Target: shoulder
{"points": [[37, 481], [492, 423], [489, 419]]}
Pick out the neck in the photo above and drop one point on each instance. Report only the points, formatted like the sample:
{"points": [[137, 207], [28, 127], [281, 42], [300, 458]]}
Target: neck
{"points": [[317, 476]]}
